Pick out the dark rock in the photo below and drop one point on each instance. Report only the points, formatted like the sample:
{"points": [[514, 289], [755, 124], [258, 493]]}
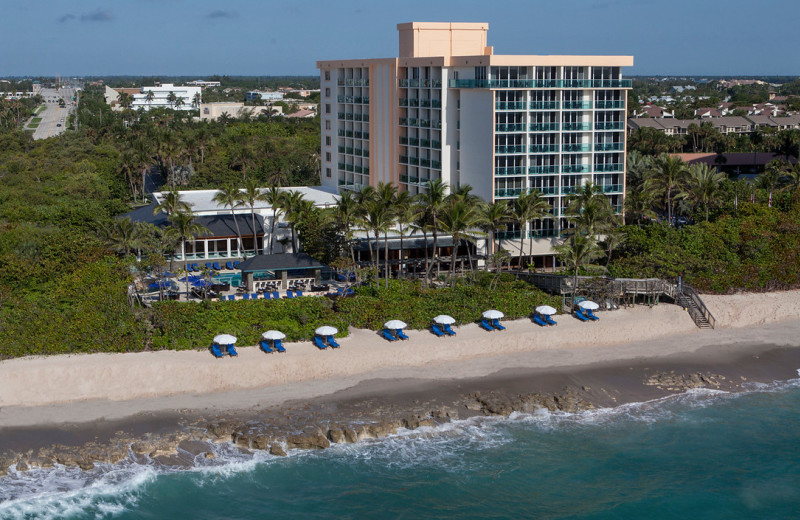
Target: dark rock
{"points": [[350, 435], [22, 465], [336, 435], [220, 430], [308, 441], [277, 450]]}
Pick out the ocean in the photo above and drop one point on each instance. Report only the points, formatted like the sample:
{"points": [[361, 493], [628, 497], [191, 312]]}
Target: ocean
{"points": [[703, 454]]}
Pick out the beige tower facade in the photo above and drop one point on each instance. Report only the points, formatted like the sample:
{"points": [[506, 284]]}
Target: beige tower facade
{"points": [[449, 108]]}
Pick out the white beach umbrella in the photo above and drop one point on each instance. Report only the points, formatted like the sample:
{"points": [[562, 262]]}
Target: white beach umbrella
{"points": [[326, 330], [444, 319], [273, 334], [586, 304], [395, 324], [224, 339], [493, 314], [546, 310]]}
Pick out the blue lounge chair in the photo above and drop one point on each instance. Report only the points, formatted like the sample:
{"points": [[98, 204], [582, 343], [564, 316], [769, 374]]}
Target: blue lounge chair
{"points": [[195, 267], [549, 320], [267, 296], [496, 324], [539, 320], [590, 315], [387, 334], [229, 265], [486, 325], [246, 296], [209, 266], [400, 334], [449, 331], [332, 342], [275, 295], [216, 266], [254, 296], [215, 350], [435, 329], [236, 264], [319, 343], [265, 347], [289, 294], [580, 316], [231, 297], [279, 346], [298, 294], [340, 291], [189, 268], [232, 350]]}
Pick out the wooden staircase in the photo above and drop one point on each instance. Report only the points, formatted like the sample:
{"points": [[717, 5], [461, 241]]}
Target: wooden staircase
{"points": [[687, 298]]}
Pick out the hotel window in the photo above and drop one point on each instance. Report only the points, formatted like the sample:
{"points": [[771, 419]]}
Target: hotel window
{"points": [[327, 125], [327, 92], [327, 140], [327, 75], [327, 172], [327, 156], [327, 108]]}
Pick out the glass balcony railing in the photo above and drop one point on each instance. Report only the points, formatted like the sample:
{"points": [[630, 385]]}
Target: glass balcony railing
{"points": [[508, 235], [608, 147], [577, 126], [425, 83], [538, 83], [614, 167], [576, 148], [544, 105], [546, 190], [509, 105], [510, 148], [509, 192], [569, 190], [609, 104], [544, 127], [577, 105], [612, 188], [609, 125], [351, 82], [543, 148], [575, 168], [539, 170], [542, 233], [510, 127], [509, 170]]}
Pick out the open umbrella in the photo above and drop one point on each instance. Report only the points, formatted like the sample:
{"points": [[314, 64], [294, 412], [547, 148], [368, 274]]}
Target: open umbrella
{"points": [[326, 330], [202, 283], [586, 304], [224, 339], [273, 334], [444, 319], [395, 324], [546, 310], [493, 314], [160, 284]]}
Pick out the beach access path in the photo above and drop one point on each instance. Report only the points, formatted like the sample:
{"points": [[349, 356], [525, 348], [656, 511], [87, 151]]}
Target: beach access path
{"points": [[81, 388]]}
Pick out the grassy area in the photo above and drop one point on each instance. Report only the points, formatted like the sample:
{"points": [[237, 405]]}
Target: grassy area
{"points": [[33, 125], [41, 109], [36, 120]]}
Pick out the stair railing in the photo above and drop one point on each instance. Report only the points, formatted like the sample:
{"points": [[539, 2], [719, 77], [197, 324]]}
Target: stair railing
{"points": [[689, 293]]}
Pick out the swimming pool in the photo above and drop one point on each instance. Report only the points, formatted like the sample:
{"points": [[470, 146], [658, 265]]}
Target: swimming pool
{"points": [[235, 279]]}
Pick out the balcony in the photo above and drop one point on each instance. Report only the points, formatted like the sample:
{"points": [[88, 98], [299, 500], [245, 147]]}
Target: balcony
{"points": [[544, 127], [609, 125], [509, 192], [577, 105], [511, 148], [606, 105], [614, 167], [509, 170], [542, 233], [608, 147], [539, 170], [509, 127], [430, 103], [425, 83], [351, 82], [575, 168], [546, 190], [544, 105], [543, 148], [577, 126], [576, 148], [509, 235], [569, 190], [538, 83], [612, 188], [509, 105]]}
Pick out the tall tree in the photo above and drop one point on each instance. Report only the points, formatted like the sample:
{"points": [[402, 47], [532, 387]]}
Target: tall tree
{"points": [[495, 217], [527, 207], [460, 219], [702, 186], [184, 228], [576, 251], [273, 196], [249, 196], [229, 196], [665, 177], [433, 201], [171, 204]]}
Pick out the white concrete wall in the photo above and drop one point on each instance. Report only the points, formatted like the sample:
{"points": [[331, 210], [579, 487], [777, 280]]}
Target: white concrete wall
{"points": [[477, 146]]}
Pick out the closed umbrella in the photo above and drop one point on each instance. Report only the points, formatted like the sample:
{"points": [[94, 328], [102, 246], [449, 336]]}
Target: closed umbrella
{"points": [[326, 330], [493, 314], [586, 304], [395, 324], [444, 319], [273, 335], [546, 310], [224, 339]]}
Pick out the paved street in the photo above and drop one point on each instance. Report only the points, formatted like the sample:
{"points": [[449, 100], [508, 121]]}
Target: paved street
{"points": [[54, 117]]}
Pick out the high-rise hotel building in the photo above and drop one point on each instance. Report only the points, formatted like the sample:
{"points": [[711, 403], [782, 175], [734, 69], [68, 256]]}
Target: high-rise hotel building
{"points": [[448, 108]]}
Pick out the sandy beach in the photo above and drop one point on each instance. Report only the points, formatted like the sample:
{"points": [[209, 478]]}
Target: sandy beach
{"points": [[80, 388]]}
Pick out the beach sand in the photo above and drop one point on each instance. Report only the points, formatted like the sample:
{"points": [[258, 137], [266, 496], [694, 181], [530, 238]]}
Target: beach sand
{"points": [[81, 388]]}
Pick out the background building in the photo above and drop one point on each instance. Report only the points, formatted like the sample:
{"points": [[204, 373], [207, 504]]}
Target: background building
{"points": [[448, 108], [190, 97], [264, 96]]}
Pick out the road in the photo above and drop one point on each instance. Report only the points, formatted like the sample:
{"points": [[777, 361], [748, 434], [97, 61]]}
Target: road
{"points": [[54, 115]]}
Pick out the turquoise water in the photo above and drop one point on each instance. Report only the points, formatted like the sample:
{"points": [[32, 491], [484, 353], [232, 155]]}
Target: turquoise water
{"points": [[234, 279], [704, 455]]}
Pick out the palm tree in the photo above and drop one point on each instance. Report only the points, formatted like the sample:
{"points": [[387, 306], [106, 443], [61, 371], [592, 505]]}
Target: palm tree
{"points": [[377, 218], [405, 213], [125, 100], [273, 196], [665, 177], [702, 186], [387, 195], [171, 204], [183, 228], [196, 100], [179, 102], [577, 250], [433, 203], [525, 208], [347, 213], [122, 236], [494, 218], [228, 196], [590, 211], [459, 219], [171, 98], [249, 196], [292, 205], [149, 97]]}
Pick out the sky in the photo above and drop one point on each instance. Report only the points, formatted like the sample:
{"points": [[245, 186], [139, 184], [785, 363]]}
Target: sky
{"points": [[270, 38]]}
